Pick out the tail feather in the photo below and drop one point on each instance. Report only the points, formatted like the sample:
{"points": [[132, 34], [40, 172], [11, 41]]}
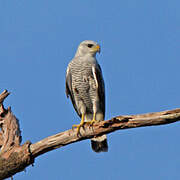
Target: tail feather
{"points": [[99, 144]]}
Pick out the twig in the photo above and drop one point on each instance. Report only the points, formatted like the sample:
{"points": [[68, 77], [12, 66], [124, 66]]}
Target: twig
{"points": [[3, 95]]}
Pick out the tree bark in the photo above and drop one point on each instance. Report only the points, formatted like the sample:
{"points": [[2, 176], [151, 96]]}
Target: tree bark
{"points": [[15, 157]]}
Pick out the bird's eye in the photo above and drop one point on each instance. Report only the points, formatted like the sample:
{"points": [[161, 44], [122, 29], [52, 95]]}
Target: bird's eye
{"points": [[89, 45]]}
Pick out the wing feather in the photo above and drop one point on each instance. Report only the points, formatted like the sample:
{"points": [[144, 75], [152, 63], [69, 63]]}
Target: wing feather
{"points": [[100, 86], [69, 89]]}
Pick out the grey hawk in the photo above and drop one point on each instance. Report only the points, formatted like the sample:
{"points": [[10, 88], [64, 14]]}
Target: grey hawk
{"points": [[85, 86]]}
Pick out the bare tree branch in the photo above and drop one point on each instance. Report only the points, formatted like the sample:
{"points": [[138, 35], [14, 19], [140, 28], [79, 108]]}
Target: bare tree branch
{"points": [[14, 158], [3, 95], [104, 127]]}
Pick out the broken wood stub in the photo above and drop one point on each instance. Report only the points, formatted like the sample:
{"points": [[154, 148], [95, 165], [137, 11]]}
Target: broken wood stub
{"points": [[10, 131], [13, 157]]}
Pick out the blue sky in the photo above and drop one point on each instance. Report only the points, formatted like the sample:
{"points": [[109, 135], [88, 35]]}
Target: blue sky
{"points": [[140, 59]]}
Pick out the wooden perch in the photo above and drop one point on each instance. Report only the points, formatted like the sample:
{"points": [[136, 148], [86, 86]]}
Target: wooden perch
{"points": [[15, 157], [104, 127]]}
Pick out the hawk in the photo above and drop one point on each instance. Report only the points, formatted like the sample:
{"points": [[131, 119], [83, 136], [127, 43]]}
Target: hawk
{"points": [[85, 86]]}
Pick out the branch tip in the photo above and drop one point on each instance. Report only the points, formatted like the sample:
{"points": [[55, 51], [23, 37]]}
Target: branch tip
{"points": [[3, 95]]}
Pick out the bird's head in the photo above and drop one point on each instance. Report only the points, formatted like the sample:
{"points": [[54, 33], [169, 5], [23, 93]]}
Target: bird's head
{"points": [[88, 47]]}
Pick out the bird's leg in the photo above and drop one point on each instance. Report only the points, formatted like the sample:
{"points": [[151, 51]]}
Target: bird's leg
{"points": [[78, 126], [93, 120]]}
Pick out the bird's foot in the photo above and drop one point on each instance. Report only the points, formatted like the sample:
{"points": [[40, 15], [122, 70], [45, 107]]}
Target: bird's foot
{"points": [[94, 119], [92, 122], [78, 126]]}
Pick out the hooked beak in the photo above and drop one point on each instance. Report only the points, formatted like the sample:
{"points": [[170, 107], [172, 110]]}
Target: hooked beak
{"points": [[96, 48]]}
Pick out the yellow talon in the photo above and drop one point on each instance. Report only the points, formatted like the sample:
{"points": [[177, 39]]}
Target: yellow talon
{"points": [[78, 126]]}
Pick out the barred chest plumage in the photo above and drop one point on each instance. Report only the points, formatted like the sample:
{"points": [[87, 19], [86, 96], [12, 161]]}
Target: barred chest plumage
{"points": [[83, 83]]}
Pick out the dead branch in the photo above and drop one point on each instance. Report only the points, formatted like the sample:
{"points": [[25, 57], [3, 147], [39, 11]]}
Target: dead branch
{"points": [[14, 158], [3, 95], [104, 127], [11, 133]]}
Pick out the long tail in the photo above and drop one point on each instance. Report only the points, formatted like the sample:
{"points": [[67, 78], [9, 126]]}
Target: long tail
{"points": [[99, 144]]}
